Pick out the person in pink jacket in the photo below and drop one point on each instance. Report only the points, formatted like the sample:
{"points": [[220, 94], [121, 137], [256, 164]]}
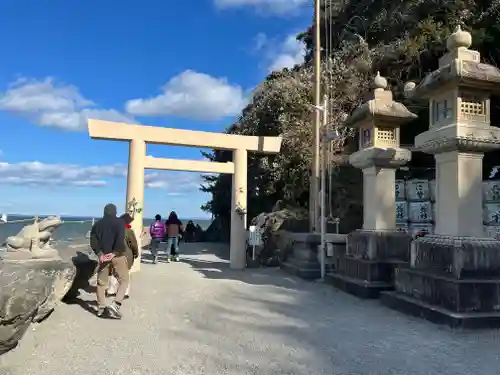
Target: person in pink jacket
{"points": [[157, 231]]}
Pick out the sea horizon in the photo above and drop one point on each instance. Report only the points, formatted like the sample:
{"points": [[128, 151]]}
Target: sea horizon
{"points": [[91, 216], [74, 227]]}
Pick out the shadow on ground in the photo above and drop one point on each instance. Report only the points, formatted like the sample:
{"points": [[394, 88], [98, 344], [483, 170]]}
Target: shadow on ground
{"points": [[363, 336], [212, 261]]}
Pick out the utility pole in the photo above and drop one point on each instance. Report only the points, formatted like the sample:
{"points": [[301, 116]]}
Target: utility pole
{"points": [[315, 168], [322, 195]]}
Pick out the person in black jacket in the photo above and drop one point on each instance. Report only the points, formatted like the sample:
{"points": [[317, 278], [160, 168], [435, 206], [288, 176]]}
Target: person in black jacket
{"points": [[107, 239]]}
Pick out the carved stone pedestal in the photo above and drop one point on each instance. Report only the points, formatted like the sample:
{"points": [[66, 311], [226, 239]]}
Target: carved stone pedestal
{"points": [[450, 280], [303, 259], [367, 267]]}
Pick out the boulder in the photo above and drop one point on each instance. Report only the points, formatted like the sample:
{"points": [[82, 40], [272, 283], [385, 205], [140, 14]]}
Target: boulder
{"points": [[31, 289], [274, 227], [218, 231]]}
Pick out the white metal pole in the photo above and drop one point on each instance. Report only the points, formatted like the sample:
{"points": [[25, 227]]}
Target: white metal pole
{"points": [[323, 188]]}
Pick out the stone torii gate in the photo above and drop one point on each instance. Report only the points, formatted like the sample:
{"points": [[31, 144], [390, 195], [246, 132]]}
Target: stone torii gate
{"points": [[138, 136]]}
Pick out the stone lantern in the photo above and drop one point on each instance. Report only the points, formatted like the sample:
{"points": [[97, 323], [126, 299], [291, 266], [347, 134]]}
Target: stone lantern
{"points": [[379, 155], [458, 267], [459, 133], [366, 268]]}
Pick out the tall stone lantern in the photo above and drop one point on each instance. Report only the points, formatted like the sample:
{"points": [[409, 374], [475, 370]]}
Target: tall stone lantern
{"points": [[372, 252], [458, 267], [459, 133]]}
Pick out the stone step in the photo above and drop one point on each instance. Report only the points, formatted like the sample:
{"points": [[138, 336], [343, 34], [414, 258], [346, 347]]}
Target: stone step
{"points": [[436, 314], [357, 287], [365, 269], [457, 295]]}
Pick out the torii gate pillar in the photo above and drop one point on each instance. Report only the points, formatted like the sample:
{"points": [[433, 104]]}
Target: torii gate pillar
{"points": [[239, 210], [135, 190]]}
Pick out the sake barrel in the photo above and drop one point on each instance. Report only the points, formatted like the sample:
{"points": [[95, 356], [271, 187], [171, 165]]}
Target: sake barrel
{"points": [[492, 231], [420, 212], [402, 227], [420, 227], [491, 191], [432, 189], [400, 190], [491, 214], [401, 212], [417, 190]]}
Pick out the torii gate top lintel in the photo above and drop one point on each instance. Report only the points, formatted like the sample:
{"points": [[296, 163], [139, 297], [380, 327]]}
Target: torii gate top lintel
{"points": [[119, 131]]}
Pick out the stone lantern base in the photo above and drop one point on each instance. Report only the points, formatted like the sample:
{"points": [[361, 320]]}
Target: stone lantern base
{"points": [[367, 266], [303, 259], [450, 280]]}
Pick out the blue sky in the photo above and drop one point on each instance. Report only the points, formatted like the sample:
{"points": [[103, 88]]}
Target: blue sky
{"points": [[154, 62]]}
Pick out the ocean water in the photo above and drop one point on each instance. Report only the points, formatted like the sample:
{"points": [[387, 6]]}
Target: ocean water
{"points": [[74, 228]]}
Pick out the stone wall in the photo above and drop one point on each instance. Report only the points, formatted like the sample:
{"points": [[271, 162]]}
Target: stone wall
{"points": [[416, 206]]}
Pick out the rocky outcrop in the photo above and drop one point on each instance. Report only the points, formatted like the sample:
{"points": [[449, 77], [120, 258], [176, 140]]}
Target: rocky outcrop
{"points": [[31, 289], [218, 231], [33, 278], [275, 227]]}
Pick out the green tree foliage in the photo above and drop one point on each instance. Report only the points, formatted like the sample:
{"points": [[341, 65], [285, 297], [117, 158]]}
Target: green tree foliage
{"points": [[403, 39]]}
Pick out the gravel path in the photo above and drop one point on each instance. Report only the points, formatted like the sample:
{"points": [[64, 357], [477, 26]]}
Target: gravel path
{"points": [[199, 317]]}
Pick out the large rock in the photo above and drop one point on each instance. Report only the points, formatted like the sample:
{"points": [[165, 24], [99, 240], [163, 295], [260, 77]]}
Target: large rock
{"points": [[274, 227], [31, 289], [218, 231]]}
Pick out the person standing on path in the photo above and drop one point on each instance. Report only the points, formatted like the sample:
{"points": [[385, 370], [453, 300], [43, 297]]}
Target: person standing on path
{"points": [[157, 231], [107, 240], [131, 253], [174, 228], [190, 232]]}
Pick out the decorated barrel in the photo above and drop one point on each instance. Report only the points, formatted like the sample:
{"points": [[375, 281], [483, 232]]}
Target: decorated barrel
{"points": [[417, 190], [491, 214], [402, 227], [492, 231], [420, 212], [401, 212], [400, 190], [491, 191], [432, 190], [421, 227]]}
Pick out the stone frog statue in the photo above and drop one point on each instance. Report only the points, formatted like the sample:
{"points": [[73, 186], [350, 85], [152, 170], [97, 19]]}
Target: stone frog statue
{"points": [[33, 239]]}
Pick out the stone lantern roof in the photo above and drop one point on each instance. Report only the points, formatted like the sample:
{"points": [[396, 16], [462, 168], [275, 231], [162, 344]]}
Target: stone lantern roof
{"points": [[460, 66], [381, 108]]}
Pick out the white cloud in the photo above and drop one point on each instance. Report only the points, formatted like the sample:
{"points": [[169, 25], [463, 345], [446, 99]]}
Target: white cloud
{"points": [[50, 104], [41, 174], [192, 95], [279, 7], [279, 55]]}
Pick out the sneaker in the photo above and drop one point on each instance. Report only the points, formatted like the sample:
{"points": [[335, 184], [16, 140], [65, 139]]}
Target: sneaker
{"points": [[114, 310], [100, 312], [155, 259], [169, 259], [176, 258]]}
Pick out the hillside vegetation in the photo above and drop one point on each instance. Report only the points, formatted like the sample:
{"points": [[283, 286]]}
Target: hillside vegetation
{"points": [[402, 39]]}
